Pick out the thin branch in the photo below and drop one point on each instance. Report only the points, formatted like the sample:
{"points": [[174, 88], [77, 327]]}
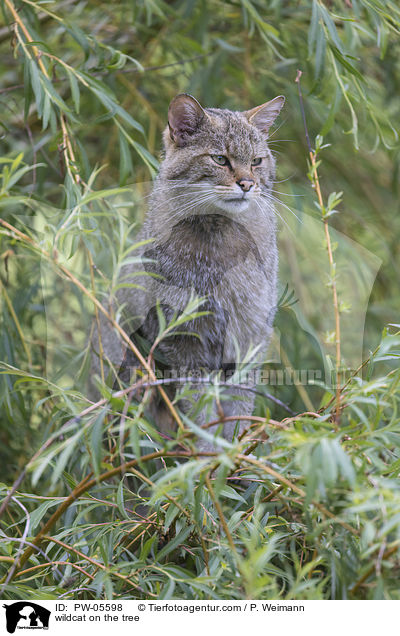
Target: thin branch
{"points": [[46, 565], [316, 186], [67, 150], [353, 375], [145, 69], [221, 516], [93, 562], [87, 484], [242, 387], [372, 569], [176, 503], [284, 480]]}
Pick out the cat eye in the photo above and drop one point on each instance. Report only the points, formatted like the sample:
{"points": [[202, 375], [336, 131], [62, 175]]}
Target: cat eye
{"points": [[220, 160], [257, 161]]}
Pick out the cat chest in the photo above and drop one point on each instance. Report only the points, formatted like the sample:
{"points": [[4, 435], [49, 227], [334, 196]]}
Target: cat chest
{"points": [[208, 263], [238, 286], [211, 274]]}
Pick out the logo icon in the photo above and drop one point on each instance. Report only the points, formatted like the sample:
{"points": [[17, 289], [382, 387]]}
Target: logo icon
{"points": [[26, 615]]}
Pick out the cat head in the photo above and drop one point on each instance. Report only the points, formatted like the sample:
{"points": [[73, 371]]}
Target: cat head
{"points": [[222, 155]]}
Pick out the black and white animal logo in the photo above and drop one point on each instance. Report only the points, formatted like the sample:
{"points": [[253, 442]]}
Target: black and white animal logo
{"points": [[26, 615]]}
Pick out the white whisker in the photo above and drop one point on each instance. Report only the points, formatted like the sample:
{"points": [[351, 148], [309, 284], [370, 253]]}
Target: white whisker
{"points": [[275, 211], [283, 180], [286, 194], [271, 197]]}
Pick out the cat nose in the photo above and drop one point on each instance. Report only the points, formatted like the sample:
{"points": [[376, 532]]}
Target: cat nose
{"points": [[245, 184]]}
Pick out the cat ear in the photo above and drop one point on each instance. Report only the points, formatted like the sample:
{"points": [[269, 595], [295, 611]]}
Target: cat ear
{"points": [[184, 117], [264, 116]]}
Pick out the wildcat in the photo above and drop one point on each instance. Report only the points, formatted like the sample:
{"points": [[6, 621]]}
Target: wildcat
{"points": [[212, 224]]}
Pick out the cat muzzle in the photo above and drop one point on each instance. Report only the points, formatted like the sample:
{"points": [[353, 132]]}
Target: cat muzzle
{"points": [[246, 184]]}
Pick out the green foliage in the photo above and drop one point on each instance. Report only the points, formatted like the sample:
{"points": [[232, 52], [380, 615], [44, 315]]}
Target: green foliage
{"points": [[104, 505]]}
